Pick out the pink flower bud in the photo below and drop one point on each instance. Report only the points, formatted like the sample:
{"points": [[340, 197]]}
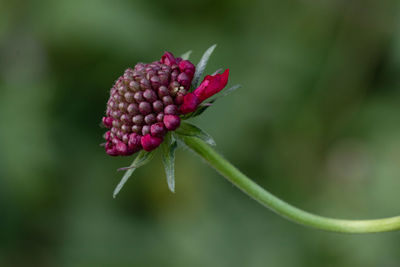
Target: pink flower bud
{"points": [[107, 122], [157, 129], [168, 59], [134, 144], [172, 122], [150, 142], [187, 67]]}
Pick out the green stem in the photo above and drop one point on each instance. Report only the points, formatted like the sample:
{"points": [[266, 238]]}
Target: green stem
{"points": [[280, 207]]}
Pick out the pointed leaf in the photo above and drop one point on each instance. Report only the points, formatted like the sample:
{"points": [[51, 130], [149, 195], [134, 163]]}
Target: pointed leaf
{"points": [[141, 159], [168, 159], [186, 55], [202, 66], [229, 91], [192, 130]]}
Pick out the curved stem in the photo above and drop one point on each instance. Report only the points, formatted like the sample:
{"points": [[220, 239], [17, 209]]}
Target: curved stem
{"points": [[280, 207]]}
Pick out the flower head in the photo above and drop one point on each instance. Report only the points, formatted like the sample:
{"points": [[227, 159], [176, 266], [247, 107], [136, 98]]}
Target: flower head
{"points": [[140, 102], [147, 101]]}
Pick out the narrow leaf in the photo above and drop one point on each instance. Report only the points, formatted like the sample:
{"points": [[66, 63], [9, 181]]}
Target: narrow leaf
{"points": [[229, 91], [202, 65], [186, 55], [141, 159], [168, 159], [192, 130]]}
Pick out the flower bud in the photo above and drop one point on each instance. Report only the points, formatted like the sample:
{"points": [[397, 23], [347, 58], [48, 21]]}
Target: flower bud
{"points": [[150, 142], [107, 122], [171, 122], [157, 129]]}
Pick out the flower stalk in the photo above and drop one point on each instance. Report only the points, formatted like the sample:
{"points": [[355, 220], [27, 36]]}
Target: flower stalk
{"points": [[240, 180]]}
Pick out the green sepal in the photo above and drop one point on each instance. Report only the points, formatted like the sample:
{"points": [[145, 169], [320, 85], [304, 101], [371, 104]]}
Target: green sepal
{"points": [[192, 130], [186, 55], [202, 66], [141, 159], [168, 158]]}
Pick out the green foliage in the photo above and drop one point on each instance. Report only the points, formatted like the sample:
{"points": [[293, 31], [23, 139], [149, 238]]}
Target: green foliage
{"points": [[192, 130], [201, 66], [168, 158], [141, 159], [186, 55]]}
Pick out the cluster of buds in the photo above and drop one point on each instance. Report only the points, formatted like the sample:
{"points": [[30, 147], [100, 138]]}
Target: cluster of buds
{"points": [[146, 102]]}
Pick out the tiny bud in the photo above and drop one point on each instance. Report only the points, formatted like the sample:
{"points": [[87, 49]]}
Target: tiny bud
{"points": [[138, 119], [174, 75], [144, 108], [117, 97], [139, 96], [129, 96], [150, 73], [107, 135], [125, 118], [121, 148], [133, 109], [122, 90], [149, 119], [107, 122], [187, 66], [171, 122], [179, 99], [116, 123], [122, 106], [184, 79], [145, 129], [163, 91], [134, 142], [170, 110], [158, 106], [150, 95], [136, 128], [157, 129], [160, 117], [145, 84], [150, 142], [163, 79], [134, 86], [168, 59], [125, 138], [155, 81], [167, 100], [112, 151], [125, 128]]}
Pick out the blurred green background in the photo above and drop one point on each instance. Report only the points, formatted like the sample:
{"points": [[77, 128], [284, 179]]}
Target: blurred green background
{"points": [[316, 123]]}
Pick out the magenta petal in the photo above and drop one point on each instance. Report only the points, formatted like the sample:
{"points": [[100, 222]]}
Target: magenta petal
{"points": [[211, 85]]}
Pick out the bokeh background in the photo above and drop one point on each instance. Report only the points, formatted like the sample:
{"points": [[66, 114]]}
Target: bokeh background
{"points": [[316, 123]]}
